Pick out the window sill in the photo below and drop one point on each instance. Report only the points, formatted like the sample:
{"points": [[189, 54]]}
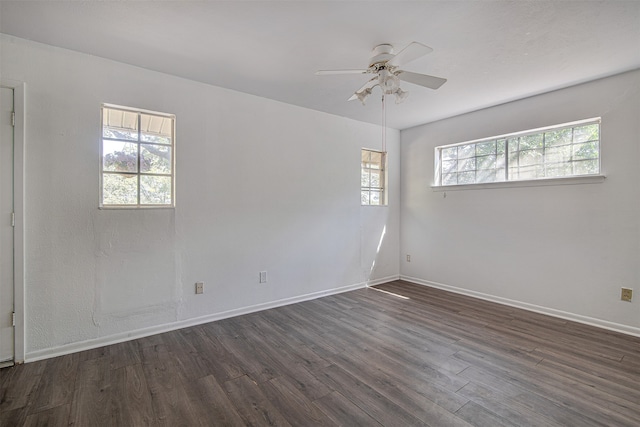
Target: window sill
{"points": [[574, 180], [124, 207]]}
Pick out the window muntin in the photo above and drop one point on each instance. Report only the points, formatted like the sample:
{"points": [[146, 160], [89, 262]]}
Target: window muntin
{"points": [[567, 150], [373, 178], [137, 158]]}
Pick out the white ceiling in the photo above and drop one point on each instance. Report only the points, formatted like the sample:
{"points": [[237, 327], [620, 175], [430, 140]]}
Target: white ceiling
{"points": [[491, 51]]}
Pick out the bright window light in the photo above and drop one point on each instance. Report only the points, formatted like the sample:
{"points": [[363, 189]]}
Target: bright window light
{"points": [[373, 180], [561, 151], [137, 158]]}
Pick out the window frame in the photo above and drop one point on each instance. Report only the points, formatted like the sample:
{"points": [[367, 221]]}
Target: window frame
{"points": [[382, 189], [138, 173], [506, 182]]}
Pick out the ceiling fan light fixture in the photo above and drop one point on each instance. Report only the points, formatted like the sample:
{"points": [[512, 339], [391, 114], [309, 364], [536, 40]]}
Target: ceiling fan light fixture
{"points": [[363, 95], [401, 95], [389, 83]]}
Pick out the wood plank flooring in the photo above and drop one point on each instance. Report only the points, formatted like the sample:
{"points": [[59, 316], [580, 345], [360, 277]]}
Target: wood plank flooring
{"points": [[398, 354]]}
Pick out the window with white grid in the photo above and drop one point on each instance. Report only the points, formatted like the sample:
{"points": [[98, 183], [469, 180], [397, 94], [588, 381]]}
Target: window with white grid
{"points": [[373, 178], [567, 150], [137, 158]]}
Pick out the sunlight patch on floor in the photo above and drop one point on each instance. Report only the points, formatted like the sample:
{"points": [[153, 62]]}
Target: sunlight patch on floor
{"points": [[390, 293]]}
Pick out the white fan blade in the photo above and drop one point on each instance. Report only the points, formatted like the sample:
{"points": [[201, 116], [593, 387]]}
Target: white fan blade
{"points": [[431, 82], [370, 83], [329, 72], [410, 53]]}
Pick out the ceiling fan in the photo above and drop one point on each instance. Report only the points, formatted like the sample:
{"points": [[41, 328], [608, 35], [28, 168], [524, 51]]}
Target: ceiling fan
{"points": [[386, 67]]}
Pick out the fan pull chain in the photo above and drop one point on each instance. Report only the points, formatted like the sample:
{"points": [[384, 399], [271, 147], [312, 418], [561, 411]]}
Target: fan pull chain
{"points": [[384, 126]]}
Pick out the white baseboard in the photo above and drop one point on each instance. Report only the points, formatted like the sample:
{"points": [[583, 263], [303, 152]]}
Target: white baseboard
{"points": [[34, 356], [145, 332], [604, 324], [382, 280]]}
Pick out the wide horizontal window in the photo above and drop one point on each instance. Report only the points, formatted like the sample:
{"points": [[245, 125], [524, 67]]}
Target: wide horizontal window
{"points": [[137, 158], [567, 150]]}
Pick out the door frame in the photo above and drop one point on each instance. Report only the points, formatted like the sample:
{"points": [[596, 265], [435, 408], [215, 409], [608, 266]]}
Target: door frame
{"points": [[18, 208]]}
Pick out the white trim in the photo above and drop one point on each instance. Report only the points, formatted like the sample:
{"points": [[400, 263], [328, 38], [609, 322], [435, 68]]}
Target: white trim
{"points": [[138, 173], [506, 137], [137, 110], [604, 324], [542, 182], [382, 280], [34, 356], [527, 132], [18, 208]]}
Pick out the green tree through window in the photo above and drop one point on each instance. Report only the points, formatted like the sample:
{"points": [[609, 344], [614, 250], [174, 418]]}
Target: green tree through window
{"points": [[137, 158], [568, 150]]}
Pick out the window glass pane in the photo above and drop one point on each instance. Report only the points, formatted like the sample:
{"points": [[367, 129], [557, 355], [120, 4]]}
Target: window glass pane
{"points": [[500, 174], [484, 148], [118, 156], [514, 174], [486, 162], [449, 166], [512, 143], [559, 154], [587, 150], [466, 177], [501, 146], [155, 158], [586, 167], [366, 156], [156, 139], [364, 178], [586, 133], [376, 159], [531, 141], [500, 160], [559, 170], [531, 172], [375, 179], [530, 157], [465, 151], [513, 159], [364, 197], [486, 175], [557, 137], [119, 124], [449, 179], [467, 164], [449, 153], [119, 189], [155, 190], [375, 198], [155, 129]]}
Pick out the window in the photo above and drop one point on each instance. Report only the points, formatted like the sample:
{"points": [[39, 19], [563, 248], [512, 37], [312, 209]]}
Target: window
{"points": [[137, 158], [568, 150], [373, 178]]}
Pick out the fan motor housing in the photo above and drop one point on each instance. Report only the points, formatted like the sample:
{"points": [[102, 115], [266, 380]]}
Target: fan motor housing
{"points": [[381, 54]]}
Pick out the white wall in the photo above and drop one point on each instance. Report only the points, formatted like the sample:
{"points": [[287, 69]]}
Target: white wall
{"points": [[566, 249], [261, 185]]}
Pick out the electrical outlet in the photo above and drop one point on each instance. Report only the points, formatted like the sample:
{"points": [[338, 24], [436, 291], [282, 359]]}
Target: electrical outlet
{"points": [[626, 294], [408, 258], [263, 277], [199, 287]]}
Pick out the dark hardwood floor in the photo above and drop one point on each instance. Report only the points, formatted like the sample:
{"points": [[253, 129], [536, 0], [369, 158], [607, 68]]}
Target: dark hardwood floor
{"points": [[410, 355]]}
